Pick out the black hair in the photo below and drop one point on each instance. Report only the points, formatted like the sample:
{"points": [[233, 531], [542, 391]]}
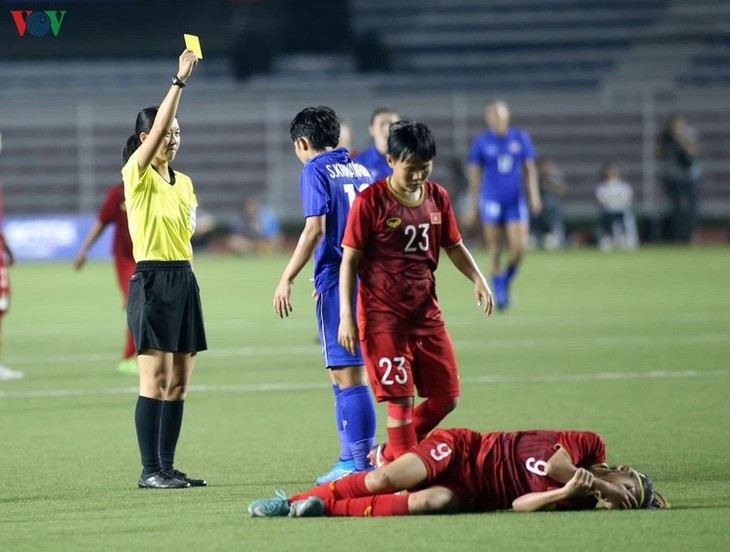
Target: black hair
{"points": [[650, 498], [411, 139], [319, 125], [145, 120], [380, 111]]}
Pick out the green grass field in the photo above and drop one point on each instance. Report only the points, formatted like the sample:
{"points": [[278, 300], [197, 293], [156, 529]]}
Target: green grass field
{"points": [[635, 346]]}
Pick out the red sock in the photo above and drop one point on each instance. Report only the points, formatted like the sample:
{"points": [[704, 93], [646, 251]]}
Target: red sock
{"points": [[367, 506], [429, 414], [401, 439], [347, 487]]}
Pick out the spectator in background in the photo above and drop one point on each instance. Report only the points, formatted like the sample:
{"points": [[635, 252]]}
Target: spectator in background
{"points": [[616, 220], [373, 159], [501, 162], [680, 172], [256, 230], [6, 260], [548, 228], [113, 211]]}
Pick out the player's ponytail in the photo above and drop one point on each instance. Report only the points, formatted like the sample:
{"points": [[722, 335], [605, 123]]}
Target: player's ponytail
{"points": [[145, 120]]}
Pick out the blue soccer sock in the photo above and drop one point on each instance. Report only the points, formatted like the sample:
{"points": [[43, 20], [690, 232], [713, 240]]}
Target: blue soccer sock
{"points": [[345, 454], [510, 273], [358, 420]]}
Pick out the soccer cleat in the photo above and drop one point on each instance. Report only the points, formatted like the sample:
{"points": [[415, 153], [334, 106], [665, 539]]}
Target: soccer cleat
{"points": [[376, 456], [128, 366], [177, 474], [312, 506], [337, 471], [8, 374], [161, 480], [270, 507]]}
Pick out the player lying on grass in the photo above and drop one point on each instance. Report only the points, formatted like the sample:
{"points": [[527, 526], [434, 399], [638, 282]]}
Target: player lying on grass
{"points": [[459, 470]]}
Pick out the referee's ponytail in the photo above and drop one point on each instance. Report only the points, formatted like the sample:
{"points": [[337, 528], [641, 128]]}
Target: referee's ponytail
{"points": [[145, 120]]}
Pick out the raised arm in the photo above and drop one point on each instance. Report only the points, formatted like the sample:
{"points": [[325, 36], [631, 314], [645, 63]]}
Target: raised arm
{"points": [[166, 112], [347, 333], [314, 228], [466, 264]]}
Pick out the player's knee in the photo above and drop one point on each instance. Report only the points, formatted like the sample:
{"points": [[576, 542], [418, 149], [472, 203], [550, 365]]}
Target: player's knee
{"points": [[381, 481], [430, 501]]}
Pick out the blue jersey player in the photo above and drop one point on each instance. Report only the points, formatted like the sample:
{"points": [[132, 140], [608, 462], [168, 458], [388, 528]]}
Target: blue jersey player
{"points": [[328, 184], [373, 159], [501, 160]]}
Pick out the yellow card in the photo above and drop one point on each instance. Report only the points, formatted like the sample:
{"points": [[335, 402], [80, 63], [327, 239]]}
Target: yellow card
{"points": [[192, 42]]}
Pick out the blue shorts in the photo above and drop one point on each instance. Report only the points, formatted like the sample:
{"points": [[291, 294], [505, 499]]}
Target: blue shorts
{"points": [[328, 322], [492, 211]]}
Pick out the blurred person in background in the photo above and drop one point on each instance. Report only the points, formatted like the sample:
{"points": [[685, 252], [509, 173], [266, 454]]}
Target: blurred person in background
{"points": [[616, 219], [255, 230], [373, 159], [501, 163], [113, 211], [548, 228], [346, 137], [680, 173], [6, 260]]}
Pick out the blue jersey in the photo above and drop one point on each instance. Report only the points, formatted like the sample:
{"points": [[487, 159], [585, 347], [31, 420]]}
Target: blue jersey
{"points": [[501, 159], [374, 162], [328, 186]]}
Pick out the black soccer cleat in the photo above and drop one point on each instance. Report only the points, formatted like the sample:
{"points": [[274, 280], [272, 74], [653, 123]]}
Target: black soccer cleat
{"points": [[177, 474], [161, 480]]}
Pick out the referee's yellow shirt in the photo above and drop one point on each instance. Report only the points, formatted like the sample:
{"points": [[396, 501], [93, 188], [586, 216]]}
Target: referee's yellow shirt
{"points": [[161, 216]]}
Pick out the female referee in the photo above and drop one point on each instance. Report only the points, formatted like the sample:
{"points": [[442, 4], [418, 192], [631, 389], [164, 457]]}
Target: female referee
{"points": [[163, 312]]}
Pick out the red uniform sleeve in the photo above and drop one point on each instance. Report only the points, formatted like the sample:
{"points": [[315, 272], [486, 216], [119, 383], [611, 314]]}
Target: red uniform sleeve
{"points": [[450, 231], [584, 448], [359, 224], [109, 210]]}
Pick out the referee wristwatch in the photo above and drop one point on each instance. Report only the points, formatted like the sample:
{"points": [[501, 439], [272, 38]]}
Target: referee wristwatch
{"points": [[177, 82]]}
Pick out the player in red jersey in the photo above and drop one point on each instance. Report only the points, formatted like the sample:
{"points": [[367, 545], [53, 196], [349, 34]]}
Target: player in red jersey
{"points": [[114, 212], [459, 470], [6, 260], [394, 234]]}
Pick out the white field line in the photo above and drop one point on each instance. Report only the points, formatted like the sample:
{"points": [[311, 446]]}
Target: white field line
{"points": [[32, 329], [488, 344], [287, 387]]}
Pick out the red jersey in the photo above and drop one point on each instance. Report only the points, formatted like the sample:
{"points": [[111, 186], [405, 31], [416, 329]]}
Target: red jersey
{"points": [[495, 468], [401, 242], [113, 211]]}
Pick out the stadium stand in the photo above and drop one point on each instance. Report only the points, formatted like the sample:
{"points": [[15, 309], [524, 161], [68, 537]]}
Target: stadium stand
{"points": [[589, 82]]}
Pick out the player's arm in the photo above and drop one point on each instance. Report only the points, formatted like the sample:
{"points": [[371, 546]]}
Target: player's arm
{"points": [[466, 264], [347, 332], [579, 485], [474, 174], [90, 239], [314, 228], [6, 248], [533, 189], [165, 113], [560, 468]]}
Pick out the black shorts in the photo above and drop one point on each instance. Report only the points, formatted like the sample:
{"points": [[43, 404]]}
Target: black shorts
{"points": [[163, 310]]}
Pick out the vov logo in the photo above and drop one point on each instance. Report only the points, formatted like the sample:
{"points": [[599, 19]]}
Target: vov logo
{"points": [[38, 23]]}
